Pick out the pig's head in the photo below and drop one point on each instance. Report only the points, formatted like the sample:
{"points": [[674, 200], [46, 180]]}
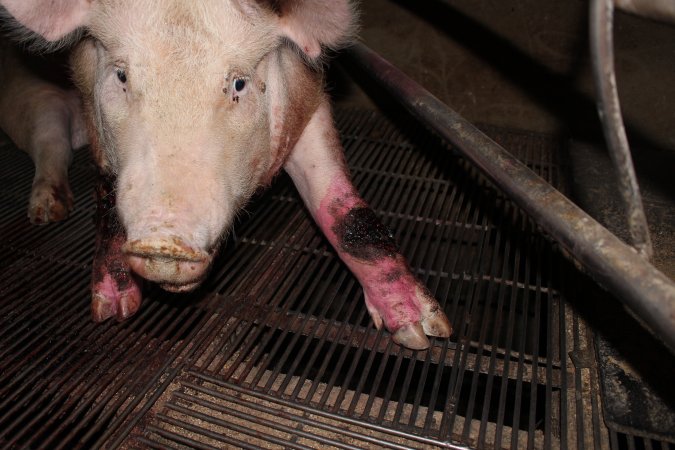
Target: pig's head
{"points": [[186, 100]]}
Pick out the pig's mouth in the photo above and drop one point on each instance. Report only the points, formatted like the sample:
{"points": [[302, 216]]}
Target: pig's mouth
{"points": [[169, 261]]}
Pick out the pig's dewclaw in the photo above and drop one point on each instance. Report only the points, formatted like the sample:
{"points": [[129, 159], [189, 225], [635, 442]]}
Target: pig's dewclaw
{"points": [[49, 203]]}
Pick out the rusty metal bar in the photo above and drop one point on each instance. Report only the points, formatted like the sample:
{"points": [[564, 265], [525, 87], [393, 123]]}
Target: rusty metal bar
{"points": [[646, 291], [609, 110]]}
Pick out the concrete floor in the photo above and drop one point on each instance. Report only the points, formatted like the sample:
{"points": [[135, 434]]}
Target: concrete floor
{"points": [[524, 64]]}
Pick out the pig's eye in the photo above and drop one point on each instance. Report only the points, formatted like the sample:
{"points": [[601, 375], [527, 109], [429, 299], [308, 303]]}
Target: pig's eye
{"points": [[121, 75], [239, 85]]}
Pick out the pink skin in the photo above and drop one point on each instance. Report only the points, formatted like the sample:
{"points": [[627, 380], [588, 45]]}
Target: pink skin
{"points": [[116, 291], [190, 146], [393, 296], [382, 277]]}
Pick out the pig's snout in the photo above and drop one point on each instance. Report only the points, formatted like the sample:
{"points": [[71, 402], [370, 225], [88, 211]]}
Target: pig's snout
{"points": [[169, 261]]}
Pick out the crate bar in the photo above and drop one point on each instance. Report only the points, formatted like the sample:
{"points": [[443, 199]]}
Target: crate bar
{"points": [[609, 110], [613, 264]]}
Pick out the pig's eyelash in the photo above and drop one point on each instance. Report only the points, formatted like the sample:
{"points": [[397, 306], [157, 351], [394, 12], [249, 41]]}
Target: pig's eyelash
{"points": [[236, 80]]}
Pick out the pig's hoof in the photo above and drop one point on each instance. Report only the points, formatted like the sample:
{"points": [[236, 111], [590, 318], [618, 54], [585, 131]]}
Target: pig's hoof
{"points": [[103, 308], [411, 336], [409, 314], [49, 203], [108, 300]]}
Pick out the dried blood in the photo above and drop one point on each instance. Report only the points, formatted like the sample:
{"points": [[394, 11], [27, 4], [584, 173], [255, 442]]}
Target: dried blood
{"points": [[361, 235], [110, 237]]}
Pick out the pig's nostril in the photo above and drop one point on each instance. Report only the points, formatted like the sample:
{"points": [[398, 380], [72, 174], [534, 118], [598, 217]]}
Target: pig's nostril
{"points": [[171, 248]]}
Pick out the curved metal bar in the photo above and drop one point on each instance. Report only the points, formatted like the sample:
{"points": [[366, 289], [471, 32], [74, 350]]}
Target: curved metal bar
{"points": [[609, 109], [613, 264], [663, 10]]}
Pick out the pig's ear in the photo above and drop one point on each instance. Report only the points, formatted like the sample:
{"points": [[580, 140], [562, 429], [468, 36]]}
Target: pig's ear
{"points": [[316, 24], [52, 21]]}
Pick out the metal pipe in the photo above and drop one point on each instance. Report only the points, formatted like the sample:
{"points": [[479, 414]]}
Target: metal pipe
{"points": [[663, 10], [647, 292], [609, 110]]}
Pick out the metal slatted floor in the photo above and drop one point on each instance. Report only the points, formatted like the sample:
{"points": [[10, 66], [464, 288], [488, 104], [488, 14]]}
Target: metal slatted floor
{"points": [[276, 350]]}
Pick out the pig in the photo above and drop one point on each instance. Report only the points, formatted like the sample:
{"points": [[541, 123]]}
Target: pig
{"points": [[191, 107], [43, 118]]}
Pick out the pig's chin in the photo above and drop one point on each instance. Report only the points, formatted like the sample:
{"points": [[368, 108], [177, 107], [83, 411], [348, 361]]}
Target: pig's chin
{"points": [[176, 288], [168, 262]]}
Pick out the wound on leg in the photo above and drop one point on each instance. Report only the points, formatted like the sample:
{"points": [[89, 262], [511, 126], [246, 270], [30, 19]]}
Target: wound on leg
{"points": [[361, 235]]}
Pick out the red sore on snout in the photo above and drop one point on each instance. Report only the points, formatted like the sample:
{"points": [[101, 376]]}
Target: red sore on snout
{"points": [[169, 261]]}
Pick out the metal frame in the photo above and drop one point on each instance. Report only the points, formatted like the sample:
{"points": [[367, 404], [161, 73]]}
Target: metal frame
{"points": [[647, 292], [609, 110]]}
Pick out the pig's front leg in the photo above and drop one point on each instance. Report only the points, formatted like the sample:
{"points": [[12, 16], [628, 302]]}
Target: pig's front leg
{"points": [[46, 122], [394, 297], [116, 291], [50, 199]]}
